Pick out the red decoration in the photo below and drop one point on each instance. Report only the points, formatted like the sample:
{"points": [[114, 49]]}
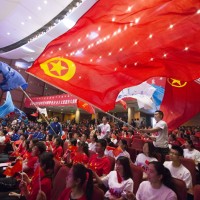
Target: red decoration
{"points": [[180, 102], [117, 45], [85, 106]]}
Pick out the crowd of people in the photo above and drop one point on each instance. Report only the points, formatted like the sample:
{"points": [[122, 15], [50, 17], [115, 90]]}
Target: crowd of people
{"points": [[97, 155]]}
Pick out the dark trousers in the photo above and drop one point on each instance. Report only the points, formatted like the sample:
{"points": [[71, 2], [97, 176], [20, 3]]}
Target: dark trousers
{"points": [[163, 152]]}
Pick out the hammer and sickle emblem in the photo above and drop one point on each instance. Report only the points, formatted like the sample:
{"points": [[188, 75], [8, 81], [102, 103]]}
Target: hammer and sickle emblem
{"points": [[176, 83], [60, 68]]}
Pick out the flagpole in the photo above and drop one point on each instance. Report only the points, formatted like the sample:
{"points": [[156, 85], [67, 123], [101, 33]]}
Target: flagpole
{"points": [[81, 99], [37, 109]]}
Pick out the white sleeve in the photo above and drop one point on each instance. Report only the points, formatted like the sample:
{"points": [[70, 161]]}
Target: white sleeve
{"points": [[105, 179], [188, 179], [129, 185], [197, 157]]}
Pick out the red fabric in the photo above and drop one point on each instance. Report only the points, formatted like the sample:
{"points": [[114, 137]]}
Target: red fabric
{"points": [[66, 195], [46, 185], [58, 152], [119, 178], [100, 165], [31, 161], [180, 102], [117, 151], [123, 103], [35, 114], [117, 45], [85, 106], [80, 158]]}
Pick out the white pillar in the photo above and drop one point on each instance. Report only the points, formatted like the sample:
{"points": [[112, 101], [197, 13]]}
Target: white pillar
{"points": [[77, 116]]}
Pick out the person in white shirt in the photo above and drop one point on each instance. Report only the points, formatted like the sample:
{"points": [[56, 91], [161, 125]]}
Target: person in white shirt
{"points": [[176, 168], [159, 134], [191, 153], [119, 181], [123, 145], [92, 144], [143, 159], [159, 185], [2, 137], [104, 128]]}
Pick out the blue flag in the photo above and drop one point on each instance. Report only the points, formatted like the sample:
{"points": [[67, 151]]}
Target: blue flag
{"points": [[11, 78], [7, 107], [19, 113]]}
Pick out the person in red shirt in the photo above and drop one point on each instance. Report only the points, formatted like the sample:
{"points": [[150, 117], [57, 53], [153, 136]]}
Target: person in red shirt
{"points": [[58, 150], [78, 177], [99, 162], [42, 179], [79, 156], [29, 163]]}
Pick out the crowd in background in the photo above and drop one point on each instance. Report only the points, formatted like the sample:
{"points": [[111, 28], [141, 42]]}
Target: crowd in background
{"points": [[96, 154]]}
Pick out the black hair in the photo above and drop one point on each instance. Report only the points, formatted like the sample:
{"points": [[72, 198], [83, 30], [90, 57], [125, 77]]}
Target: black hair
{"points": [[47, 162], [160, 113], [95, 137], [41, 147], [173, 136], [191, 143], [59, 142], [34, 141], [107, 119], [102, 142], [151, 147], [178, 149], [85, 147], [167, 179], [124, 161], [27, 145], [86, 176], [50, 137], [73, 141], [124, 142]]}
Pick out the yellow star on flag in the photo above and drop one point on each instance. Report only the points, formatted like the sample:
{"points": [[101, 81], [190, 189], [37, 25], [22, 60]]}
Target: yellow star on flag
{"points": [[57, 67]]}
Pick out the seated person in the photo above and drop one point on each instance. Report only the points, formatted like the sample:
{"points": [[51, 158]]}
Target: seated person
{"points": [[123, 146], [42, 179], [176, 168], [79, 185], [119, 181], [79, 156], [143, 159], [92, 144], [99, 162], [158, 186], [57, 148], [29, 163], [191, 152]]}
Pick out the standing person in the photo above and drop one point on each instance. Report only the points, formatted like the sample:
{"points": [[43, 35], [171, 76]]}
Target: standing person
{"points": [[104, 128], [55, 127], [159, 135]]}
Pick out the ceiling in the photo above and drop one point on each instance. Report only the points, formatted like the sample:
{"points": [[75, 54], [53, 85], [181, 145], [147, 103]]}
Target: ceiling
{"points": [[21, 18]]}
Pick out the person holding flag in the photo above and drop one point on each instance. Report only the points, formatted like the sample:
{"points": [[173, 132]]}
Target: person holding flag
{"points": [[55, 127], [159, 134]]}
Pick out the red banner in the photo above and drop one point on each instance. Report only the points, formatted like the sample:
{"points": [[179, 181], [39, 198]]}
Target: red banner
{"points": [[118, 44], [180, 102], [56, 100]]}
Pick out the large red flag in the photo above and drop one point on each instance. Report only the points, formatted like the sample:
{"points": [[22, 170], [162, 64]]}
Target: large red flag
{"points": [[180, 102], [85, 106], [118, 44]]}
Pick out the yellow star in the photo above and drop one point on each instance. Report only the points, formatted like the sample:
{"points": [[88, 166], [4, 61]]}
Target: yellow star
{"points": [[57, 67]]}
